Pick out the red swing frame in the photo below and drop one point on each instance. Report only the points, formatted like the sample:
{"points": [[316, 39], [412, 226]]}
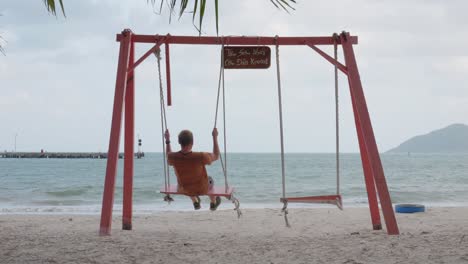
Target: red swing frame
{"points": [[124, 102]]}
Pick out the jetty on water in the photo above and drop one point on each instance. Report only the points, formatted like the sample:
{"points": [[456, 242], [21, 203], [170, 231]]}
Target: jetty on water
{"points": [[62, 155]]}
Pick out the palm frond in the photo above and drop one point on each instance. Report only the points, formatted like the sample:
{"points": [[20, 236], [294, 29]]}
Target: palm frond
{"points": [[183, 6], [194, 10], [202, 14], [287, 3], [274, 3], [160, 6], [283, 4], [217, 18], [2, 50], [199, 7], [172, 9], [52, 7]]}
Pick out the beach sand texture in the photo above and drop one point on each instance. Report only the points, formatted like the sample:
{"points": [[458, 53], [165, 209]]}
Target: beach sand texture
{"points": [[317, 236]]}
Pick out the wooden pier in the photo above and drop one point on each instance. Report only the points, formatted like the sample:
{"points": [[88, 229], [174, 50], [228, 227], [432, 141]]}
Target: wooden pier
{"points": [[61, 155]]}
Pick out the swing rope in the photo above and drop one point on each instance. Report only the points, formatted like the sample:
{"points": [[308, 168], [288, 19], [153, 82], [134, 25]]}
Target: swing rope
{"points": [[337, 123], [167, 178], [221, 89], [280, 104]]}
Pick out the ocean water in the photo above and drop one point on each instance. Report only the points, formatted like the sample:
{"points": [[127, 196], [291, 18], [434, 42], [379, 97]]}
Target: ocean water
{"points": [[76, 185]]}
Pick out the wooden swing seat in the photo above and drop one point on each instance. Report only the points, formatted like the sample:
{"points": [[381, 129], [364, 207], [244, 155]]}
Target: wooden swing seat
{"points": [[214, 191], [323, 199]]}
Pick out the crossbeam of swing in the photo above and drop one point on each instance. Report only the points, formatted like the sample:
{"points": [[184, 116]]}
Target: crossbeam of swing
{"points": [[158, 40], [236, 40]]}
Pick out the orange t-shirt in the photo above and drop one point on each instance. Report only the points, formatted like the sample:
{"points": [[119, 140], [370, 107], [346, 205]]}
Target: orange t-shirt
{"points": [[190, 171]]}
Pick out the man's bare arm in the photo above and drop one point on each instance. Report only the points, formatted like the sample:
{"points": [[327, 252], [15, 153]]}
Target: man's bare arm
{"points": [[167, 136], [215, 154]]}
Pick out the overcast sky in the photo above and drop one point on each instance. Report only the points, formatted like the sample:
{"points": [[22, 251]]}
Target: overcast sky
{"points": [[57, 79]]}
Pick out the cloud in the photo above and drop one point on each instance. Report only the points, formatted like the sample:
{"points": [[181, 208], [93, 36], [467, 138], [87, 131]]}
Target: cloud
{"points": [[58, 77]]}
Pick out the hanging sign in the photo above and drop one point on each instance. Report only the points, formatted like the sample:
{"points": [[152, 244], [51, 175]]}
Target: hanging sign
{"points": [[247, 57]]}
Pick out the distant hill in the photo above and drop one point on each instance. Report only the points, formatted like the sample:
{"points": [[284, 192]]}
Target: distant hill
{"points": [[452, 139]]}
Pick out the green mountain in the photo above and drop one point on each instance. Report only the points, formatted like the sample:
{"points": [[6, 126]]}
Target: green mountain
{"points": [[452, 139]]}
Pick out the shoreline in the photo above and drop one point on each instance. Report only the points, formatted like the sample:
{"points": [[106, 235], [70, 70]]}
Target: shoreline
{"points": [[325, 235], [150, 209]]}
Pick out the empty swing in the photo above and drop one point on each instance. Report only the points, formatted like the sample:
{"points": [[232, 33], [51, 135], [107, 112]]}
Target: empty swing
{"points": [[172, 189], [334, 199]]}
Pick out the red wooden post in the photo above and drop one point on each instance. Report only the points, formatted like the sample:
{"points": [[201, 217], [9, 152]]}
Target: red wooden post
{"points": [[129, 144], [368, 173], [113, 153], [168, 75], [368, 138], [370, 184]]}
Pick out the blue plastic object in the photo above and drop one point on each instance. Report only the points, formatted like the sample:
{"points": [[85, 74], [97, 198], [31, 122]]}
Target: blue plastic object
{"points": [[409, 208]]}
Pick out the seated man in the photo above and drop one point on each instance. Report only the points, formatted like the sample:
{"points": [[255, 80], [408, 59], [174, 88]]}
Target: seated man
{"points": [[190, 168]]}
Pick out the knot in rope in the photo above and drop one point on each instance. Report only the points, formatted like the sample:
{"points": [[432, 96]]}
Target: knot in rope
{"points": [[284, 210], [335, 37], [157, 53], [236, 203]]}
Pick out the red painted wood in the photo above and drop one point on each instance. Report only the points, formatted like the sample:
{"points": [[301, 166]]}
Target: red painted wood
{"points": [[368, 176], [143, 58], [237, 40], [368, 136], [373, 171], [129, 145], [368, 173], [168, 76], [336, 63], [113, 153], [215, 191]]}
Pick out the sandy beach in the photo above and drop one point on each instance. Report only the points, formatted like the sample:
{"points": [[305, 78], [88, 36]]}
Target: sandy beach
{"points": [[317, 236]]}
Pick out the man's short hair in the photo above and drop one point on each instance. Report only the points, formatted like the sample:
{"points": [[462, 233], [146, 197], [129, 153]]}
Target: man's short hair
{"points": [[185, 138]]}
